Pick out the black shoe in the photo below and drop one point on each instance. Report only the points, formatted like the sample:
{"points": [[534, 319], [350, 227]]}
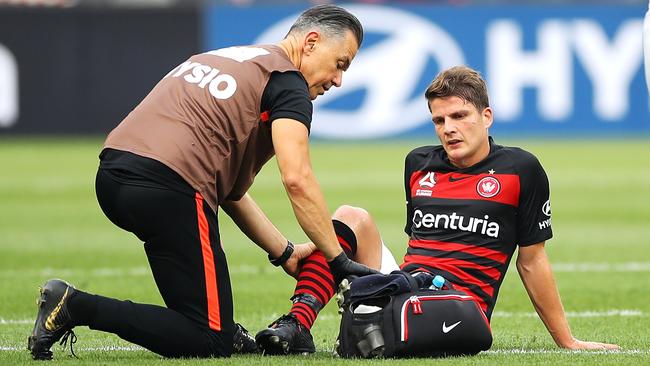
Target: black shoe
{"points": [[243, 342], [53, 320], [285, 336]]}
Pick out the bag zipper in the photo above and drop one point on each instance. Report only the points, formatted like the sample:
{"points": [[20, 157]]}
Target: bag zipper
{"points": [[415, 303]]}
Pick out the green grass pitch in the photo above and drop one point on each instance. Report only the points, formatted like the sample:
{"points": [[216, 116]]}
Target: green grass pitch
{"points": [[51, 226]]}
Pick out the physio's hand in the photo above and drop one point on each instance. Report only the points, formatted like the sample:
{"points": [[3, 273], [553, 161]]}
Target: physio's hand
{"points": [[300, 252], [577, 344], [342, 266]]}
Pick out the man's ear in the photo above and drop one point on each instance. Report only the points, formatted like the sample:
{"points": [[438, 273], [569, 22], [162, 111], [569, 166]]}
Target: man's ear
{"points": [[311, 39], [487, 117]]}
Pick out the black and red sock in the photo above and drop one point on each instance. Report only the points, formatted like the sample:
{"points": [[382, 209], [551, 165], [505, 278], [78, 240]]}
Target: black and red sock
{"points": [[315, 279]]}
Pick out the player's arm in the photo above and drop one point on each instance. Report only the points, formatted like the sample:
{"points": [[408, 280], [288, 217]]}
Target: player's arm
{"points": [[252, 221], [291, 145], [536, 274]]}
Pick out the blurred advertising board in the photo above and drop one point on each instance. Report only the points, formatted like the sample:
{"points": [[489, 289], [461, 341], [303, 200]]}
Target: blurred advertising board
{"points": [[551, 70], [82, 70]]}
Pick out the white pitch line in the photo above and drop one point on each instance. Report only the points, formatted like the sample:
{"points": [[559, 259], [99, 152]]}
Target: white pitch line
{"points": [[496, 315], [3, 348], [568, 352], [67, 272], [573, 314], [243, 269], [493, 352], [137, 271], [90, 349], [602, 267], [16, 321]]}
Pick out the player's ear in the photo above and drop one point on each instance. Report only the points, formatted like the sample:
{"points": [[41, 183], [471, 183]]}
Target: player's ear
{"points": [[487, 117]]}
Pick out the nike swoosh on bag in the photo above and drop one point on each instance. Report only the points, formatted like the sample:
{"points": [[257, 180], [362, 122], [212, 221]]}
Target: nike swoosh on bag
{"points": [[447, 329]]}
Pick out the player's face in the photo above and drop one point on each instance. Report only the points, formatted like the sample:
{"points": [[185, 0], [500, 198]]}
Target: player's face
{"points": [[462, 129], [325, 59]]}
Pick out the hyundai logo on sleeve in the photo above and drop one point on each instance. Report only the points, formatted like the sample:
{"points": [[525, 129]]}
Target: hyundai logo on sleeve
{"points": [[546, 208]]}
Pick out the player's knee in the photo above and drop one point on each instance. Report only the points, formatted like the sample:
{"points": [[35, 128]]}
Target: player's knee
{"points": [[355, 217]]}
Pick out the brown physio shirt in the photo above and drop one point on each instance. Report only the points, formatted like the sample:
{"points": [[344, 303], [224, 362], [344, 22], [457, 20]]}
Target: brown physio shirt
{"points": [[203, 120]]}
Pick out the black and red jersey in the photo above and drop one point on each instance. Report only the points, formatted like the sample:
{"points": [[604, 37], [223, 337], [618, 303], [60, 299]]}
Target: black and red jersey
{"points": [[465, 224]]}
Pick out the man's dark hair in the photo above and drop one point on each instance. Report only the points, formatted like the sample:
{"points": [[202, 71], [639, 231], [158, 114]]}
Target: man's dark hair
{"points": [[462, 82], [331, 19]]}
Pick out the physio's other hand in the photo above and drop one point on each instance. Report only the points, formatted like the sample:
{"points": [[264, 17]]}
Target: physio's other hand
{"points": [[300, 252], [342, 266]]}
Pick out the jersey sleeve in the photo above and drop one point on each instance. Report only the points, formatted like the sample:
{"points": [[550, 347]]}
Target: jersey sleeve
{"points": [[407, 191], [534, 211], [286, 96]]}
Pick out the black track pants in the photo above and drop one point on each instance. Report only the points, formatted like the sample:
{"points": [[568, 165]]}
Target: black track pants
{"points": [[181, 240]]}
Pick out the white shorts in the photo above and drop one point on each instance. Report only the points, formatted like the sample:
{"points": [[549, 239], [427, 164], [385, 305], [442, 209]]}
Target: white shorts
{"points": [[388, 263]]}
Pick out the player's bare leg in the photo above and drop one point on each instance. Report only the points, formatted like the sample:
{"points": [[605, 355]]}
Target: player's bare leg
{"points": [[371, 250]]}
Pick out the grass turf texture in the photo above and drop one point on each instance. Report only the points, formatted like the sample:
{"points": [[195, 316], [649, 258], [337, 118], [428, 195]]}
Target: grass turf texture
{"points": [[51, 226]]}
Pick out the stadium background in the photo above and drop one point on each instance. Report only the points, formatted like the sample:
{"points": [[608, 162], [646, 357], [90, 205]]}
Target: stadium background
{"points": [[566, 82]]}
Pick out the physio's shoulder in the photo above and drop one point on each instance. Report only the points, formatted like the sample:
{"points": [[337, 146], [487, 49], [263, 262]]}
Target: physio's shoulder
{"points": [[289, 81]]}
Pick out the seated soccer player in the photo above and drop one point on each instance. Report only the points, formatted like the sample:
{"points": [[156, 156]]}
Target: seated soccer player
{"points": [[470, 203]]}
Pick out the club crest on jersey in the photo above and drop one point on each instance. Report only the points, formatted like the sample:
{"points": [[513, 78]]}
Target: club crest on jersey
{"points": [[426, 185], [488, 187]]}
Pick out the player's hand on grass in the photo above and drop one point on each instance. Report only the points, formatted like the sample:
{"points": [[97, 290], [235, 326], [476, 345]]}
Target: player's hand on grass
{"points": [[342, 266], [300, 252], [577, 344]]}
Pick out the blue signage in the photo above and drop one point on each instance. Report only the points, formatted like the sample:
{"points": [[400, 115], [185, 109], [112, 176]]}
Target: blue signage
{"points": [[556, 70]]}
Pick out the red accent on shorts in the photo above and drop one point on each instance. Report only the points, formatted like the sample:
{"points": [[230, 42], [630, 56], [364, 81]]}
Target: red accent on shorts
{"points": [[214, 317], [344, 244]]}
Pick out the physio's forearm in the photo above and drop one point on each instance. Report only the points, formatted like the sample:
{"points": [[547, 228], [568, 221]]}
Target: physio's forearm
{"points": [[311, 211], [291, 145], [252, 221]]}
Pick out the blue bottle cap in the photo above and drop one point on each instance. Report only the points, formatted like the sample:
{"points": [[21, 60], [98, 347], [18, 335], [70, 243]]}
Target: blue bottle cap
{"points": [[438, 281]]}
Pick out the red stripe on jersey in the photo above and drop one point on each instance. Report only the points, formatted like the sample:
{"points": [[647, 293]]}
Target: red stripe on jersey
{"points": [[464, 186], [455, 267], [464, 248], [264, 116], [457, 264], [212, 292]]}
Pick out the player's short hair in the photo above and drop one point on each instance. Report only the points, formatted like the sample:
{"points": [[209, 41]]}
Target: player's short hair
{"points": [[462, 82], [330, 19]]}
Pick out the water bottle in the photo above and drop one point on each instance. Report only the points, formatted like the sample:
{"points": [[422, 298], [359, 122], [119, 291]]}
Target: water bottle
{"points": [[437, 282]]}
